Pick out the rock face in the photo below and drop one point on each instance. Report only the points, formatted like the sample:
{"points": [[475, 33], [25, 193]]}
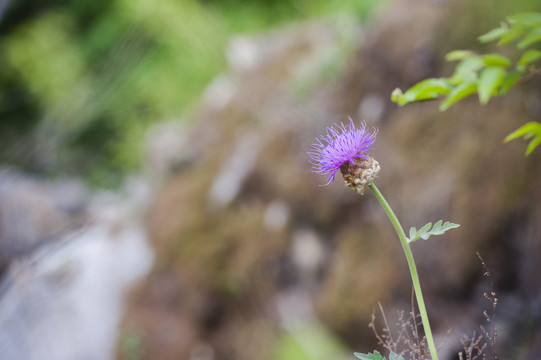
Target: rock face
{"points": [[69, 260], [245, 225], [32, 213]]}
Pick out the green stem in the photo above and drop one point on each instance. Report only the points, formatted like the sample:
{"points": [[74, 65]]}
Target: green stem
{"points": [[413, 269]]}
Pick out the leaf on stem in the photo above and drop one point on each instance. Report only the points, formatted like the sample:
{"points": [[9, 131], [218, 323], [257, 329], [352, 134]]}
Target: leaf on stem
{"points": [[494, 34], [461, 91], [529, 57], [496, 60], [374, 356], [531, 130], [424, 90], [511, 35], [530, 38], [456, 55], [525, 18], [466, 70], [490, 79], [510, 80], [425, 232]]}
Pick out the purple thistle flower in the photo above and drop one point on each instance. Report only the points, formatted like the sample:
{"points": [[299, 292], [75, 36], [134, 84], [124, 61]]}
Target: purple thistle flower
{"points": [[342, 144]]}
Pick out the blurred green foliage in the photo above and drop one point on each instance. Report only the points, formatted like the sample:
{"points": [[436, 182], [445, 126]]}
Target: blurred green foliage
{"points": [[83, 80], [488, 75], [470, 18], [310, 341]]}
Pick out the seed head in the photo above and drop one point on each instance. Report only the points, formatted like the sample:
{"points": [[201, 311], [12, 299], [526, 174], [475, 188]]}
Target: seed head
{"points": [[345, 148], [360, 173]]}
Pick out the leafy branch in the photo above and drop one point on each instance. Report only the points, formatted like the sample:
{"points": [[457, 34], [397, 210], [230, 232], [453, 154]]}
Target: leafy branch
{"points": [[488, 75], [428, 230]]}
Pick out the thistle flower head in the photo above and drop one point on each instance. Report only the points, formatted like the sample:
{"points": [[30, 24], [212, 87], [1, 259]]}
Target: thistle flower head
{"points": [[341, 148]]}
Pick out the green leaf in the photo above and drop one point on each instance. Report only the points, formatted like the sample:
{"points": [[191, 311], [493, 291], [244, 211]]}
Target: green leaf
{"points": [[427, 89], [413, 231], [458, 55], [510, 80], [490, 79], [375, 356], [493, 34], [526, 129], [511, 35], [529, 57], [496, 60], [533, 144], [416, 233], [526, 19], [532, 37], [461, 91], [439, 229], [466, 70], [395, 356], [424, 90], [425, 232], [531, 130]]}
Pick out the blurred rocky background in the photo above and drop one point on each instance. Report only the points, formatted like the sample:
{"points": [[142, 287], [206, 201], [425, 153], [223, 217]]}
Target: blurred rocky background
{"points": [[156, 200]]}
